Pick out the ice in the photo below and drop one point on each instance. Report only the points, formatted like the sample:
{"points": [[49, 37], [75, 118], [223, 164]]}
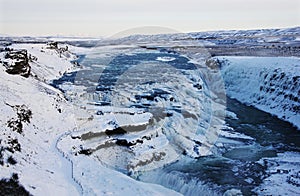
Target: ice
{"points": [[174, 103], [99, 180], [42, 167], [188, 127], [179, 182], [270, 84], [283, 174], [165, 59]]}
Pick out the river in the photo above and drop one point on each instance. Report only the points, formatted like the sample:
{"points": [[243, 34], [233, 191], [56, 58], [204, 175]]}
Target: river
{"points": [[122, 77]]}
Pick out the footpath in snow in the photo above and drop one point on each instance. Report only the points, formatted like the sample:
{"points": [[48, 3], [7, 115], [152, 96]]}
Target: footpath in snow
{"points": [[34, 116]]}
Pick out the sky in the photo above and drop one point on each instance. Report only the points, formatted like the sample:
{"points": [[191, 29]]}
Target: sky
{"points": [[109, 17]]}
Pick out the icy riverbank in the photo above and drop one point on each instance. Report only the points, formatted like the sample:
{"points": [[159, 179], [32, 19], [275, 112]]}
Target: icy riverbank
{"points": [[271, 84]]}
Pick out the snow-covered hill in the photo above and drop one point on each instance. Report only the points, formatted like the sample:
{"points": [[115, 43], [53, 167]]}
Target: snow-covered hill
{"points": [[39, 166]]}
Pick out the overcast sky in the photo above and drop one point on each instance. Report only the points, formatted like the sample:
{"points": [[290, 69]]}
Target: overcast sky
{"points": [[108, 17]]}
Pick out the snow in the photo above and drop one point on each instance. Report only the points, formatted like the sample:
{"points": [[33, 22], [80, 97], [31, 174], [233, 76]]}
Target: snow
{"points": [[233, 192], [42, 167], [168, 136], [165, 59], [99, 180], [50, 163], [270, 84], [283, 171], [180, 182], [39, 166], [232, 134], [48, 65]]}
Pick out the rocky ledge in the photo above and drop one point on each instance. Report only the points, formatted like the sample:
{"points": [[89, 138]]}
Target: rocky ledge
{"points": [[17, 62]]}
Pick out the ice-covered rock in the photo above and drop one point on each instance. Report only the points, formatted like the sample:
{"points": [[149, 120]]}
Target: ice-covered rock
{"points": [[271, 84]]}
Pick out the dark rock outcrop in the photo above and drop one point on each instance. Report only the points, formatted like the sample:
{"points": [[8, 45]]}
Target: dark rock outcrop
{"points": [[212, 63], [12, 186], [16, 62], [52, 45], [24, 114]]}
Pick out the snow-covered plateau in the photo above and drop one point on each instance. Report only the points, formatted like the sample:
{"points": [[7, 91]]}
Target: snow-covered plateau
{"points": [[211, 113]]}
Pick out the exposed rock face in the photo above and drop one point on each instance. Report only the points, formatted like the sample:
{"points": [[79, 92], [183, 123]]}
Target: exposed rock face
{"points": [[12, 186], [16, 62], [212, 63], [59, 50], [23, 115], [52, 45]]}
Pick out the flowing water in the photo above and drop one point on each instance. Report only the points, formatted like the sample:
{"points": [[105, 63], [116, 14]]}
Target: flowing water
{"points": [[237, 166], [133, 80]]}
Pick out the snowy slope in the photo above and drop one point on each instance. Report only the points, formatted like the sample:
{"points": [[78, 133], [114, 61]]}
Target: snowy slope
{"points": [[49, 64], [39, 166], [271, 84], [43, 169]]}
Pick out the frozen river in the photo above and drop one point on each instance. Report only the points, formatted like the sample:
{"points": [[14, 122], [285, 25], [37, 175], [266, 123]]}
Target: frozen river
{"points": [[153, 116]]}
